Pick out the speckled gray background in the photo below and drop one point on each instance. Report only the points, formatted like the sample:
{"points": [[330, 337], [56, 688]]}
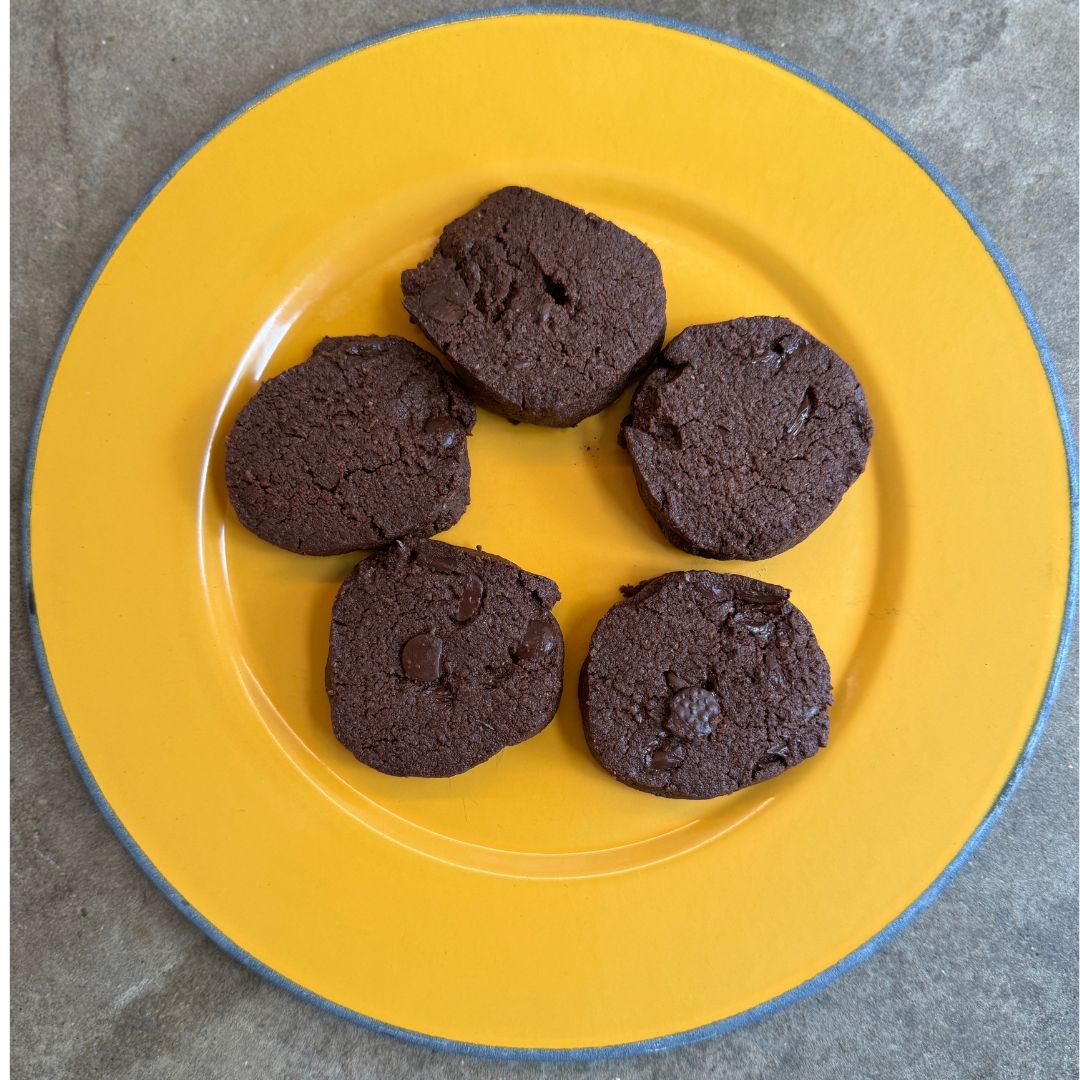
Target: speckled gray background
{"points": [[108, 979]]}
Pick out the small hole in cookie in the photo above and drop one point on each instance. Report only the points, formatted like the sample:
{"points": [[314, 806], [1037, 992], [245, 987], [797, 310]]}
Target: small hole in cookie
{"points": [[666, 432], [555, 290], [784, 346]]}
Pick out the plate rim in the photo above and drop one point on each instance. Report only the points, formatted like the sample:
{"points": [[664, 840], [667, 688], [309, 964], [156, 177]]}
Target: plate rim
{"points": [[763, 1009]]}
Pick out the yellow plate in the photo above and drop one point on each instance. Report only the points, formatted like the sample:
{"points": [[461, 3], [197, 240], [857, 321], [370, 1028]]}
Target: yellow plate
{"points": [[534, 902]]}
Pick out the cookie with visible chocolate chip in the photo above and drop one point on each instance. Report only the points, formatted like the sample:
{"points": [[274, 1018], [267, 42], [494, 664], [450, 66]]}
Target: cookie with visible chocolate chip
{"points": [[440, 656], [699, 684], [746, 437], [545, 311], [361, 444]]}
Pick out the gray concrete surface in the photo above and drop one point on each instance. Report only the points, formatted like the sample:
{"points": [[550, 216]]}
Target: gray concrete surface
{"points": [[108, 979]]}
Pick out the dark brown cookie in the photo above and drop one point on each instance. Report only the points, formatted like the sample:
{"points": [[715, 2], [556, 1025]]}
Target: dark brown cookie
{"points": [[699, 684], [746, 437], [439, 657], [362, 444], [545, 311]]}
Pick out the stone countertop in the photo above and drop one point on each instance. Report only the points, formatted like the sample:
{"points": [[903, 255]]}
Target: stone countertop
{"points": [[108, 979]]}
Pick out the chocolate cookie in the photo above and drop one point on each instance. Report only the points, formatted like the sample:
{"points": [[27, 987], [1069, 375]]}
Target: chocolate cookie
{"points": [[545, 311], [699, 684], [439, 657], [746, 437], [362, 444]]}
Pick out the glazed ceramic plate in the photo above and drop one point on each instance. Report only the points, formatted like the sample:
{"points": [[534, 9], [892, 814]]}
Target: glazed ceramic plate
{"points": [[534, 903]]}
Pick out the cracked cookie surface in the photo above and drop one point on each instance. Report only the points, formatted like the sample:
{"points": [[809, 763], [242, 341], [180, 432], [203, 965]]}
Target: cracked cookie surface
{"points": [[545, 311], [699, 684], [746, 437], [440, 656], [362, 444]]}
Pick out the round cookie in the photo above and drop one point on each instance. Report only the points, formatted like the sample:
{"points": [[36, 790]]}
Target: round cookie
{"points": [[362, 444], [440, 656], [699, 684], [545, 311], [746, 437]]}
